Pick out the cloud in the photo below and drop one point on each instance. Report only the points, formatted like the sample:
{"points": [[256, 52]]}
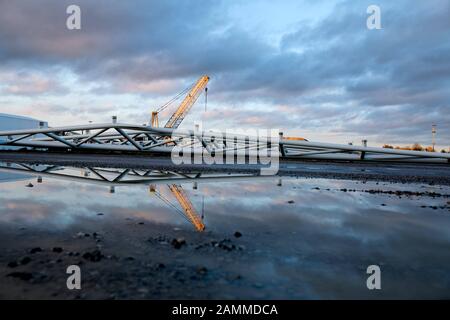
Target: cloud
{"points": [[331, 72], [28, 84], [146, 40]]}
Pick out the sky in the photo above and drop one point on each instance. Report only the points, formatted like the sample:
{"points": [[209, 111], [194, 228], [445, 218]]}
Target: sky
{"points": [[309, 68]]}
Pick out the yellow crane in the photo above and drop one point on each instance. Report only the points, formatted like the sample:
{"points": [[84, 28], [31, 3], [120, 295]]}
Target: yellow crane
{"points": [[188, 212], [186, 105]]}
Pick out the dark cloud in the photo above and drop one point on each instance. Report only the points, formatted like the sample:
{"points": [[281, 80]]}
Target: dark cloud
{"points": [[140, 40]]}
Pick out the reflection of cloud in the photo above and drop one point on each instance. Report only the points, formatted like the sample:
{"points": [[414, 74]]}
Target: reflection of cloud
{"points": [[8, 176], [58, 203], [31, 212], [148, 211], [324, 240], [340, 232]]}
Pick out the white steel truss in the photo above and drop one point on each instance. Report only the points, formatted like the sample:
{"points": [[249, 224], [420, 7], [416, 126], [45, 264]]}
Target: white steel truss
{"points": [[145, 139]]}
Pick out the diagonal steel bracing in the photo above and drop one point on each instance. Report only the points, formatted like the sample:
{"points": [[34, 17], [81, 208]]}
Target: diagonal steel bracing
{"points": [[145, 139]]}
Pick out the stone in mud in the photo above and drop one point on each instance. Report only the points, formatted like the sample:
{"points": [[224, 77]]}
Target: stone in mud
{"points": [[94, 256], [291, 201], [202, 270], [83, 235], [57, 249], [26, 276], [237, 234], [25, 260], [13, 264], [224, 244], [178, 243], [35, 250]]}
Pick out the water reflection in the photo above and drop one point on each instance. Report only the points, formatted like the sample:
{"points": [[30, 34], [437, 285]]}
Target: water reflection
{"points": [[68, 192], [308, 237], [162, 184]]}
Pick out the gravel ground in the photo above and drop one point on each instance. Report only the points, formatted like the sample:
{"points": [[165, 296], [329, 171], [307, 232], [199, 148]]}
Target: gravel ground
{"points": [[125, 260]]}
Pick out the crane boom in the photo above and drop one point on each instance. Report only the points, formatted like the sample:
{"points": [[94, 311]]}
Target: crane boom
{"points": [[187, 206], [188, 211], [187, 103]]}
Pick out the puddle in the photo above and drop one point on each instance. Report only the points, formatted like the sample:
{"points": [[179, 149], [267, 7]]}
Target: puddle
{"points": [[317, 235]]}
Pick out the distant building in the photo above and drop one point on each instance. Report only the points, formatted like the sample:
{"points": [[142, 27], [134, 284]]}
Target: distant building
{"points": [[13, 122]]}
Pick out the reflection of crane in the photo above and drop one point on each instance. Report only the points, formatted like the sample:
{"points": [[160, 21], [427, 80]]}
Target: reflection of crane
{"points": [[185, 105], [188, 212]]}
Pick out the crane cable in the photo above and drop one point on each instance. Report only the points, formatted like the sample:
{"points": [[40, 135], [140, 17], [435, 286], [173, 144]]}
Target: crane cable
{"points": [[170, 204], [203, 207], [206, 97], [178, 96]]}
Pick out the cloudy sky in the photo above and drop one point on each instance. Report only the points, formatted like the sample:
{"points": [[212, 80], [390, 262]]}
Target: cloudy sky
{"points": [[309, 68]]}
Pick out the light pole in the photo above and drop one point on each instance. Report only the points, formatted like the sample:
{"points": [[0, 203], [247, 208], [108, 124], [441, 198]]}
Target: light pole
{"points": [[433, 133]]}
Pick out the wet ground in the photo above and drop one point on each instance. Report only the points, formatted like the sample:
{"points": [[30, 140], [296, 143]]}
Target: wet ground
{"points": [[294, 236]]}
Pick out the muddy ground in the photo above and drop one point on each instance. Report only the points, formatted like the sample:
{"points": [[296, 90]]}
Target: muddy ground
{"points": [[126, 260]]}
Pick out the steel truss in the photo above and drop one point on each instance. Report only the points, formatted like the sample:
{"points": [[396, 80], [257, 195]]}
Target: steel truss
{"points": [[144, 139]]}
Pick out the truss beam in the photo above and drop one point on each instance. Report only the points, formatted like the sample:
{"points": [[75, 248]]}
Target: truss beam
{"points": [[143, 139]]}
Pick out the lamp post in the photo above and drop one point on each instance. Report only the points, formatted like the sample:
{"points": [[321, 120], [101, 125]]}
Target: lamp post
{"points": [[433, 133]]}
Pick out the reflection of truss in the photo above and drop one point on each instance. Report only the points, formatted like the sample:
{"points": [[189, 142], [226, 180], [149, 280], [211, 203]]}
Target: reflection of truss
{"points": [[128, 177], [135, 138], [120, 177]]}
